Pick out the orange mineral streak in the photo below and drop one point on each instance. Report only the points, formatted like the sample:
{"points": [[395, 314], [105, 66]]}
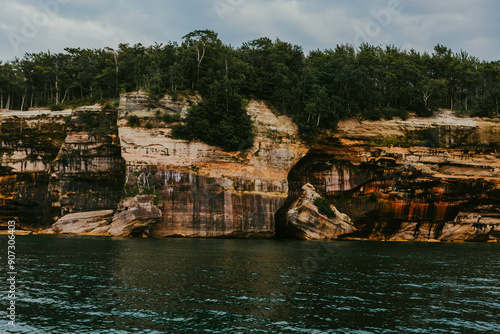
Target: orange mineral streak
{"points": [[438, 191], [395, 208], [418, 211], [441, 210], [376, 187]]}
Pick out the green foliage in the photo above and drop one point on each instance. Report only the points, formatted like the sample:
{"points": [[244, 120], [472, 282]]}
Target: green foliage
{"points": [[316, 89], [324, 207], [169, 118], [130, 191], [135, 190], [89, 121], [149, 126], [96, 123], [108, 106], [391, 113], [219, 120], [133, 121], [373, 115], [158, 198], [56, 107]]}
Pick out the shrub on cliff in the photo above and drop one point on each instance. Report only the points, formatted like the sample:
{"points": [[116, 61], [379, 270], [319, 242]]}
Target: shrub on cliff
{"points": [[324, 207], [220, 120], [56, 107], [133, 121], [170, 118]]}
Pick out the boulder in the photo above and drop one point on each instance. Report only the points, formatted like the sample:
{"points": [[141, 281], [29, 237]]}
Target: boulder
{"points": [[134, 217], [304, 221], [92, 223]]}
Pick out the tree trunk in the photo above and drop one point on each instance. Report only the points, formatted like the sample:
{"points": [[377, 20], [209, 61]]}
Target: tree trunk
{"points": [[65, 95], [57, 89], [22, 100]]}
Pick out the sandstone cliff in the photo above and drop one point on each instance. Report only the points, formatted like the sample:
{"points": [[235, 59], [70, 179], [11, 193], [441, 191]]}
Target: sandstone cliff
{"points": [[69, 169], [419, 179], [29, 143], [88, 171], [57, 163], [201, 190]]}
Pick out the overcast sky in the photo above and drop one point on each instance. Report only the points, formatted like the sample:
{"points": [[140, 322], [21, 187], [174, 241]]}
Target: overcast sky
{"points": [[41, 25]]}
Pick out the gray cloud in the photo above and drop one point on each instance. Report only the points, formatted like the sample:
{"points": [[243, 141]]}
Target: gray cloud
{"points": [[460, 24]]}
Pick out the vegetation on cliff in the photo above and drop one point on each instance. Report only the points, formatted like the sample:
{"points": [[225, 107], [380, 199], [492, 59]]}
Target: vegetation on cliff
{"points": [[316, 89], [324, 207], [220, 119]]}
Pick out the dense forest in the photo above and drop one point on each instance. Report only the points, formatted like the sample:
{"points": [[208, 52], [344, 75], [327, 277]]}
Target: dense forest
{"points": [[316, 89]]}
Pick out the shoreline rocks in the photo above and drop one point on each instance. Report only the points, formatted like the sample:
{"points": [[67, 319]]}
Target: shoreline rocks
{"points": [[304, 221]]}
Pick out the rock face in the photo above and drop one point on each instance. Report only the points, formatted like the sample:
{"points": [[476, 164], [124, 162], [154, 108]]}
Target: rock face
{"points": [[420, 179], [204, 191], [29, 142], [57, 163], [88, 173], [68, 169], [304, 221]]}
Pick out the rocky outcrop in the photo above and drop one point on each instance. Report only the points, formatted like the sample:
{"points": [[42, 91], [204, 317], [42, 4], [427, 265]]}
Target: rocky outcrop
{"points": [[88, 223], [88, 173], [134, 217], [29, 142], [304, 221], [205, 191], [420, 179], [427, 179], [67, 168], [57, 163]]}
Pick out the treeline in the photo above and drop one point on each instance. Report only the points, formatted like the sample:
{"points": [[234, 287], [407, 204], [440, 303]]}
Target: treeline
{"points": [[316, 89]]}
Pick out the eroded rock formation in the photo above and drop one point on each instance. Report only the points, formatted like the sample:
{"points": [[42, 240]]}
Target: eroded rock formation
{"points": [[420, 179], [134, 217], [57, 163], [88, 223], [88, 173], [304, 221], [29, 142], [203, 191]]}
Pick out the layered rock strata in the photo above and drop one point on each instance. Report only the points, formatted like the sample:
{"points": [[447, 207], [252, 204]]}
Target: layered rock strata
{"points": [[201, 190], [419, 179], [56, 163], [29, 143], [88, 173], [134, 217]]}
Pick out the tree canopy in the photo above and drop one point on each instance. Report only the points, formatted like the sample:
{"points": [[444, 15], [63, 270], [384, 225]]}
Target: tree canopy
{"points": [[316, 89]]}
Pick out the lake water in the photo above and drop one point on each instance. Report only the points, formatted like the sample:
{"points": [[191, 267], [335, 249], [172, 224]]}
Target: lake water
{"points": [[104, 285]]}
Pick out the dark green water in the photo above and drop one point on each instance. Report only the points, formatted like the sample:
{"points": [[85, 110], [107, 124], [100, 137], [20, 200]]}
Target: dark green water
{"points": [[102, 285]]}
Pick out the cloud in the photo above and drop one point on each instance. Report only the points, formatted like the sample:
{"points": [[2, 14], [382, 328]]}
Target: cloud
{"points": [[313, 24]]}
